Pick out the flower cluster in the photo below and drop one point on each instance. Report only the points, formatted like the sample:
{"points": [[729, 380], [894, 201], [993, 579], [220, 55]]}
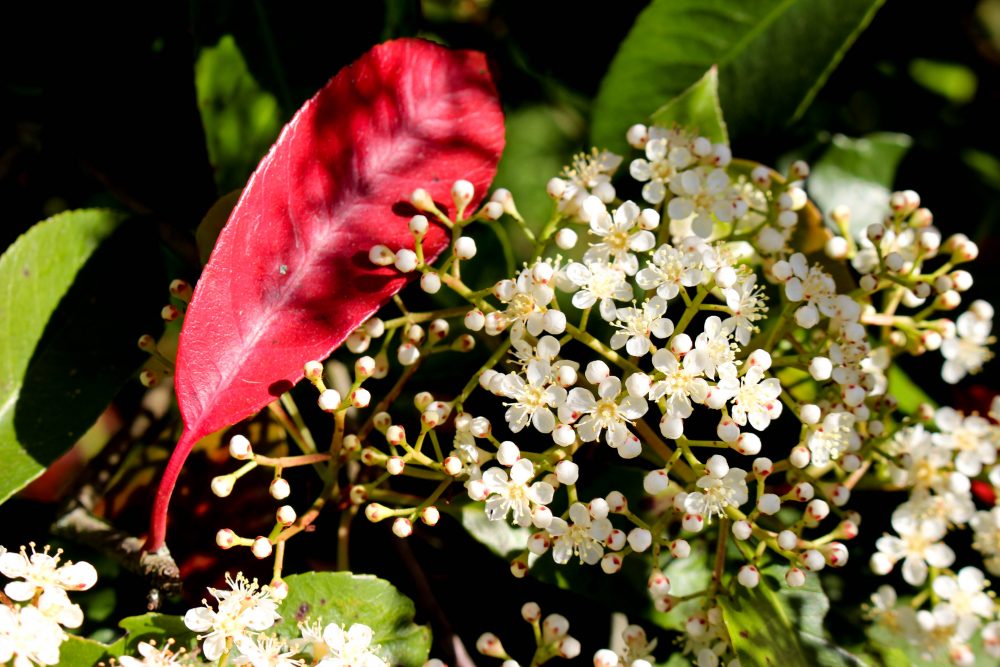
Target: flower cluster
{"points": [[32, 632], [692, 333]]}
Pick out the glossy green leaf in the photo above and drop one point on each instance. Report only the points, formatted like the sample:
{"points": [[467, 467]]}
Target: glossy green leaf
{"points": [[687, 575], [858, 173], [760, 47], [697, 108], [539, 138], [501, 537], [345, 598], [777, 625], [241, 120], [954, 81], [80, 652], [156, 627], [71, 286]]}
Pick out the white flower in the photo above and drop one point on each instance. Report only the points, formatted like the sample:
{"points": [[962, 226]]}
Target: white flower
{"points": [[352, 648], [245, 607], [918, 545], [721, 487], [965, 594], [987, 537], [671, 269], [513, 494], [266, 652], [681, 384], [973, 438], [712, 348], [584, 537], [755, 399], [598, 282], [667, 152], [534, 396], [606, 412], [152, 656], [46, 578], [527, 300], [705, 193], [828, 440], [590, 174], [746, 305], [621, 237], [42, 573], [28, 637], [810, 284], [967, 351], [636, 325]]}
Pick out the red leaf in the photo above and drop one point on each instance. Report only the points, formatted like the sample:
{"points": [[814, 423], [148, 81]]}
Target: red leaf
{"points": [[289, 277]]}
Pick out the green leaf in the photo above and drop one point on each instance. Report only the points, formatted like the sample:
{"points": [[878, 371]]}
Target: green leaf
{"points": [[777, 625], [954, 81], [538, 138], [71, 286], [80, 652], [241, 120], [500, 537], [345, 598], [697, 108], [687, 575], [858, 173], [789, 46], [156, 627]]}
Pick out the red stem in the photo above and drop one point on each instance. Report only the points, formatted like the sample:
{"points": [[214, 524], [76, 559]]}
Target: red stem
{"points": [[161, 503]]}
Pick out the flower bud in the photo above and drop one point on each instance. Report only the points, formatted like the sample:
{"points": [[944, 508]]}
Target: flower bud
{"points": [[395, 465], [222, 485], [430, 282], [402, 527], [680, 549], [240, 448], [769, 504], [430, 515], [489, 644], [795, 577], [406, 260], [566, 238], [465, 247], [742, 530], [286, 515], [788, 540], [462, 192], [280, 489], [329, 400], [261, 548], [748, 576], [567, 472], [225, 538]]}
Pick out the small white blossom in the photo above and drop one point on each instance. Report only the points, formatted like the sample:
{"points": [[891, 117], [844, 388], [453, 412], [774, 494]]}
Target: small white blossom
{"points": [[705, 194], [606, 412], [244, 608], [670, 270], [534, 396], [583, 537], [350, 648], [513, 494], [620, 238], [918, 545], [828, 440], [599, 283], [720, 487], [973, 439], [746, 305], [638, 325], [968, 350]]}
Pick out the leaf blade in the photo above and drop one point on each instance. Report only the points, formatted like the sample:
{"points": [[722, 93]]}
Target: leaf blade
{"points": [[289, 278], [759, 45]]}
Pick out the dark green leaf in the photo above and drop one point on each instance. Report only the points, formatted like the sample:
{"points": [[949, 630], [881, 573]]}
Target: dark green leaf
{"points": [[777, 625], [500, 537], [760, 47], [907, 392], [78, 291], [156, 627], [241, 120], [697, 108], [345, 598], [858, 173], [538, 140], [80, 652]]}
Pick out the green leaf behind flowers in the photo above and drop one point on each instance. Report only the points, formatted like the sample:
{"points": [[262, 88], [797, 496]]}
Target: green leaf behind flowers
{"points": [[345, 599], [765, 45]]}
